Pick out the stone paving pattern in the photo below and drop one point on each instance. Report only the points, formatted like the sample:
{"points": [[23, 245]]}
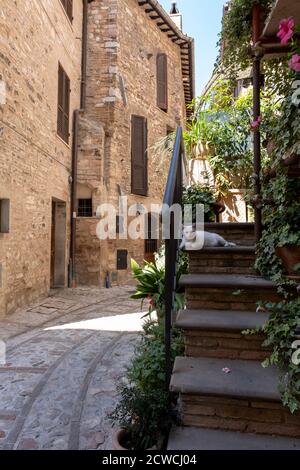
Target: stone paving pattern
{"points": [[62, 367]]}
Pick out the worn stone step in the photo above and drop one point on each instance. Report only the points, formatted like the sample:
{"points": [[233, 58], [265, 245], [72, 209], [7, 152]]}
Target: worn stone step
{"points": [[246, 399], [192, 438], [204, 376], [218, 333], [227, 291], [231, 260], [220, 320], [240, 233], [226, 281]]}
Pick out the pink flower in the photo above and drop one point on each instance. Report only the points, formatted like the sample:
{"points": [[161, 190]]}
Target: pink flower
{"points": [[255, 124], [295, 63], [286, 30]]}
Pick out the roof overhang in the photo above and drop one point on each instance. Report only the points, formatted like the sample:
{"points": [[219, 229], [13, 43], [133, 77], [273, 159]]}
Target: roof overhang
{"points": [[281, 10], [186, 44], [270, 42]]}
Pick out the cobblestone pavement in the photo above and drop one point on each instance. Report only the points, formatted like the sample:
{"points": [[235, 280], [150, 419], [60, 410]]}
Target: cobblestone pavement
{"points": [[64, 357]]}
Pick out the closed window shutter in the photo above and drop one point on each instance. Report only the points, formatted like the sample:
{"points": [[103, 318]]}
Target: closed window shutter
{"points": [[139, 163], [162, 82], [69, 9], [68, 6], [63, 108]]}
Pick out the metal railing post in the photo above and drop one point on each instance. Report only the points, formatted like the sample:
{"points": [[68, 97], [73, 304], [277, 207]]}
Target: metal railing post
{"points": [[173, 195]]}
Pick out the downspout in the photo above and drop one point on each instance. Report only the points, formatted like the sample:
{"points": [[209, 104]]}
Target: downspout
{"points": [[72, 264], [257, 55]]}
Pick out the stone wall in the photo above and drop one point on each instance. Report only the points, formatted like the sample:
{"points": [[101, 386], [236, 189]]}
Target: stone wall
{"points": [[123, 45], [35, 164]]}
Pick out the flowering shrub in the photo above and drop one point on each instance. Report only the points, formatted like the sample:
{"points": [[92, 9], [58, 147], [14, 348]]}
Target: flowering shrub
{"points": [[286, 30]]}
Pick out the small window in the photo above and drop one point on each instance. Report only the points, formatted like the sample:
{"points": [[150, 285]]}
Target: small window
{"points": [[152, 233], [162, 81], [139, 158], [120, 224], [122, 263], [4, 215], [63, 108], [68, 6], [85, 208]]}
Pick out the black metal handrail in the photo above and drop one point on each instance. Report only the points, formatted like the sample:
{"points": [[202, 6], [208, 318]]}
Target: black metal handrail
{"points": [[173, 195]]}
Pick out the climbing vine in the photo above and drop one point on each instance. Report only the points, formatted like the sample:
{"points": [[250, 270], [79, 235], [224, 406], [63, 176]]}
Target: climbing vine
{"points": [[236, 33], [281, 217]]}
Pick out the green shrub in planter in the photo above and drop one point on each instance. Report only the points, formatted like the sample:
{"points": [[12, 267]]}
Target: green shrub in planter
{"points": [[144, 410], [151, 282], [199, 194]]}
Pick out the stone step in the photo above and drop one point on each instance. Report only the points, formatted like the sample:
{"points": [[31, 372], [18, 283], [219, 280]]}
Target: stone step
{"points": [[246, 399], [231, 260], [218, 333], [220, 320], [192, 438], [227, 291], [240, 233]]}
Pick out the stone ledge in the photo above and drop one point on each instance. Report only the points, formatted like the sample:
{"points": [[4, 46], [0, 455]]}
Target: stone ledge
{"points": [[226, 281], [192, 438], [220, 320], [204, 376]]}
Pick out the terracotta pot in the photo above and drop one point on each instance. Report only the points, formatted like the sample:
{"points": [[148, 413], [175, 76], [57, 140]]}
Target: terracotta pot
{"points": [[117, 439], [290, 256]]}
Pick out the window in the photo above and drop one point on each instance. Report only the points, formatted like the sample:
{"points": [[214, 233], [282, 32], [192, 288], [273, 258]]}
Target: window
{"points": [[85, 208], [63, 111], [162, 81], [139, 160], [120, 224], [4, 215], [68, 6], [151, 239], [122, 263]]}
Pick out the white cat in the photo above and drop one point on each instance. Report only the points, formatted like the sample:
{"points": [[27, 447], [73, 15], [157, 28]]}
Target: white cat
{"points": [[195, 239]]}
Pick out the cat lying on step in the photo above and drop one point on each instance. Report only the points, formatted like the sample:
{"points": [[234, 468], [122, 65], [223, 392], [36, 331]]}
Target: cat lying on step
{"points": [[195, 239]]}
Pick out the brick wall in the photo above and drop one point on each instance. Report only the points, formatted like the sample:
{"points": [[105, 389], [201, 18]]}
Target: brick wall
{"points": [[123, 45], [35, 163]]}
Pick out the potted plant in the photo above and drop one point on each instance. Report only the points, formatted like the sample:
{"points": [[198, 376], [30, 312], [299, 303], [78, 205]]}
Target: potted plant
{"points": [[151, 283], [201, 194], [288, 243], [144, 413]]}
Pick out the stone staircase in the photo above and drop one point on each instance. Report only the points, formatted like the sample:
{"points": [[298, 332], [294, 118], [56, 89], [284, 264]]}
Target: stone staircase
{"points": [[224, 392]]}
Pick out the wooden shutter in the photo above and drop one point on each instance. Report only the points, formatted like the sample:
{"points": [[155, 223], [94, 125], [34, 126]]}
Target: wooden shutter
{"points": [[122, 257], [162, 81], [63, 108], [69, 9], [68, 6], [139, 160]]}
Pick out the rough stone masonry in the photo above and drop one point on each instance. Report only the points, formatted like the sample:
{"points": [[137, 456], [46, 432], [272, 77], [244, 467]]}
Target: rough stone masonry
{"points": [[36, 163]]}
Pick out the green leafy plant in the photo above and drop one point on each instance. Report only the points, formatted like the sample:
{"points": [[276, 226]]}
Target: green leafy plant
{"points": [[199, 194], [284, 318], [237, 31], [281, 217], [151, 282], [222, 126], [144, 410]]}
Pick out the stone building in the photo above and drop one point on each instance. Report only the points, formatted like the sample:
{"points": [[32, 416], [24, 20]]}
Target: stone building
{"points": [[79, 78], [38, 38], [140, 78]]}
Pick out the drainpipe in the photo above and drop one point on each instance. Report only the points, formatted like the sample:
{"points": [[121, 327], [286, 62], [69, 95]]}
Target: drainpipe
{"points": [[256, 114], [72, 264]]}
